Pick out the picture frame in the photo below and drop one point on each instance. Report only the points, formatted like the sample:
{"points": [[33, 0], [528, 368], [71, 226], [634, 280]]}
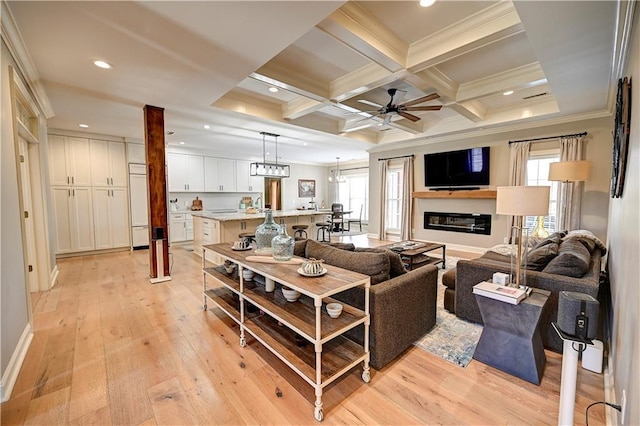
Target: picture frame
{"points": [[621, 137], [306, 188]]}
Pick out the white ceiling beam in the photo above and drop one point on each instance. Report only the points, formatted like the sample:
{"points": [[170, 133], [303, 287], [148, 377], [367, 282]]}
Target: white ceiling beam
{"points": [[433, 78], [473, 110], [525, 76], [361, 80], [301, 106], [406, 125], [364, 33], [485, 27]]}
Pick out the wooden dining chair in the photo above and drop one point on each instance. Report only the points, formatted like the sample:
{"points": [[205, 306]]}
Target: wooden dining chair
{"points": [[337, 217], [354, 220]]}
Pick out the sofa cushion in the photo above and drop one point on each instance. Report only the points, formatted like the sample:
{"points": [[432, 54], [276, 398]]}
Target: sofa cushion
{"points": [[573, 260], [551, 239], [537, 258], [396, 266], [376, 265]]}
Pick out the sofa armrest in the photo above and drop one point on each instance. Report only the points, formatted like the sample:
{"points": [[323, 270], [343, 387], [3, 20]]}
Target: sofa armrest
{"points": [[402, 310]]}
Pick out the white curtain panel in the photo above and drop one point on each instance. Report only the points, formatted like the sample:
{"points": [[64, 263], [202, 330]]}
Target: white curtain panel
{"points": [[568, 208], [383, 165], [407, 199], [519, 155]]}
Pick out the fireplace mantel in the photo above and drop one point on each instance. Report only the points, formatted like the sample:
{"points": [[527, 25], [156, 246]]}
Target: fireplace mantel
{"points": [[476, 193]]}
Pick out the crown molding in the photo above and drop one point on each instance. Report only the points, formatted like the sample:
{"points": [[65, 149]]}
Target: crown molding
{"points": [[17, 48]]}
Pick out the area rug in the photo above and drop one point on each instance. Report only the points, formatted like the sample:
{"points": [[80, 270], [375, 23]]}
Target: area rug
{"points": [[452, 338]]}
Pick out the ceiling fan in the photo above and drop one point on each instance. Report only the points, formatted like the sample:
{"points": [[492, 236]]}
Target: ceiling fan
{"points": [[401, 109]]}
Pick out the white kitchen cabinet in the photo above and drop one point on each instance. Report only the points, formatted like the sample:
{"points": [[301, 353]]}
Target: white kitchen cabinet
{"points": [[110, 217], [186, 173], [108, 163], [69, 161], [73, 211], [177, 228], [219, 174], [244, 181], [136, 153]]}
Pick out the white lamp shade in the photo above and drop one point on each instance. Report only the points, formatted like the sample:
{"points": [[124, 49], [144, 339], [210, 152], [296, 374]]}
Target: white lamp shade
{"points": [[569, 171], [523, 200]]}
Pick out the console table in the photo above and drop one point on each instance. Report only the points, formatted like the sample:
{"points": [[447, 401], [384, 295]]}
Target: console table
{"points": [[329, 354], [510, 340], [416, 257]]}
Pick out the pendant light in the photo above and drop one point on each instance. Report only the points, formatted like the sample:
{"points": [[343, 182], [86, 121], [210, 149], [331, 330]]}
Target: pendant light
{"points": [[335, 174], [269, 169]]}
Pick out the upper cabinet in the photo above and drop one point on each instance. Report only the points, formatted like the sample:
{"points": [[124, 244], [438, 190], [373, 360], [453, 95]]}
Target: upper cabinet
{"points": [[69, 161], [186, 173], [244, 181], [108, 163], [219, 175]]}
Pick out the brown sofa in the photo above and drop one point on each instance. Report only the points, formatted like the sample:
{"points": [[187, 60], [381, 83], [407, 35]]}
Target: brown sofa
{"points": [[574, 265], [402, 304]]}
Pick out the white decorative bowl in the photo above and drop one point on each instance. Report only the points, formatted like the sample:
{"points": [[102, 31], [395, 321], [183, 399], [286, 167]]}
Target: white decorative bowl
{"points": [[334, 309], [290, 295]]}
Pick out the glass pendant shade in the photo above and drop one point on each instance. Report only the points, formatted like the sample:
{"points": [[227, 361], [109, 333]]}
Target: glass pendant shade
{"points": [[269, 169]]}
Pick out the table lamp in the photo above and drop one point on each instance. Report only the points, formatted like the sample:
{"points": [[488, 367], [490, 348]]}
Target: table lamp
{"points": [[568, 172], [519, 201]]}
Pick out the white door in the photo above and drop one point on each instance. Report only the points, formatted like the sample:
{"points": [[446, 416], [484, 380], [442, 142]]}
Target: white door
{"points": [[227, 175], [177, 172], [58, 171], [29, 237], [101, 220], [117, 164], [81, 215], [119, 217], [79, 160], [62, 215], [99, 163], [195, 173]]}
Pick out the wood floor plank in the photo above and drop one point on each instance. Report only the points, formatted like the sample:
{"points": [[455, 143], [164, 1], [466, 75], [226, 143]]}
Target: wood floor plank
{"points": [[111, 348]]}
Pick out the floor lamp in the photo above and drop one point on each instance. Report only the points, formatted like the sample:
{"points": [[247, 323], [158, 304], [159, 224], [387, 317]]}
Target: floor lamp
{"points": [[568, 172], [519, 201]]}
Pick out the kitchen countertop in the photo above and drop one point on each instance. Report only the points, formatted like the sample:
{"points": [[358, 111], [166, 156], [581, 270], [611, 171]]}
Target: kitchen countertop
{"points": [[224, 217]]}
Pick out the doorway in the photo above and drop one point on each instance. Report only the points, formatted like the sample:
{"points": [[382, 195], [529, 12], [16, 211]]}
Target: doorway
{"points": [[273, 193]]}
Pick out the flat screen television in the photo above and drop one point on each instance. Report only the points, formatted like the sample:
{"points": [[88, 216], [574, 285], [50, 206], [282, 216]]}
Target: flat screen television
{"points": [[451, 169]]}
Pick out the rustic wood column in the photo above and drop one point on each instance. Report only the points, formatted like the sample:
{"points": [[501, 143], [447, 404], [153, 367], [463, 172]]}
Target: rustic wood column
{"points": [[154, 150]]}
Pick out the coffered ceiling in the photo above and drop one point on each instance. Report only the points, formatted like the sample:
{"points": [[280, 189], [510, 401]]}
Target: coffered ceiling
{"points": [[333, 63]]}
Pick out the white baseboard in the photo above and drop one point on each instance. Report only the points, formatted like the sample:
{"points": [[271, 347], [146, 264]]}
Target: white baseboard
{"points": [[53, 277], [611, 414], [15, 363]]}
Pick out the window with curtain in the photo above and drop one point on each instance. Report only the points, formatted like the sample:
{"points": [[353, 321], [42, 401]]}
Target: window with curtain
{"points": [[354, 193], [537, 175], [395, 180]]}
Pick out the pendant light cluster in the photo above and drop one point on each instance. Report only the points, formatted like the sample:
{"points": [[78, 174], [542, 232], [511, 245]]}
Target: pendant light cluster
{"points": [[335, 174], [269, 169]]}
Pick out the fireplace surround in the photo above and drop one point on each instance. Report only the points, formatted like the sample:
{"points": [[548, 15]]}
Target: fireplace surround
{"points": [[470, 223]]}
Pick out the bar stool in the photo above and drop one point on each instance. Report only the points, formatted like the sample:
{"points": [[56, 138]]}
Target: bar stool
{"points": [[300, 231], [248, 236], [325, 227]]}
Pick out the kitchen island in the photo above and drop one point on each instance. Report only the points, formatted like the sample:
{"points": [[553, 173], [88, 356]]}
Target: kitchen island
{"points": [[214, 228]]}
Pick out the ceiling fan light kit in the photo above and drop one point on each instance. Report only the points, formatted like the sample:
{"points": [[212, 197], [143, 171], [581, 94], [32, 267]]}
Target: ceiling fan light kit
{"points": [[269, 169]]}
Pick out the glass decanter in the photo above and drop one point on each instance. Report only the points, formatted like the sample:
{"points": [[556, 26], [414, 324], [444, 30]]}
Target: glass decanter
{"points": [[282, 245], [265, 233]]}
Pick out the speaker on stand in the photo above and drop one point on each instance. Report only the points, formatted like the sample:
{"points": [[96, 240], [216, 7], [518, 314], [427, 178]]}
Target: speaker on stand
{"points": [[577, 325], [158, 240]]}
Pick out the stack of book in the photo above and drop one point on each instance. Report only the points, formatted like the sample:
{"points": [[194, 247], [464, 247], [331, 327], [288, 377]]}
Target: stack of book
{"points": [[511, 295]]}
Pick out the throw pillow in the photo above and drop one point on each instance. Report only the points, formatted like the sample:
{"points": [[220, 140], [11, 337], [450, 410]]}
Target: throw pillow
{"points": [[537, 258], [396, 266], [551, 239], [375, 265], [573, 260]]}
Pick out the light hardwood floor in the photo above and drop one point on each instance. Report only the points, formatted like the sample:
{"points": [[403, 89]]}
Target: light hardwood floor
{"points": [[111, 348]]}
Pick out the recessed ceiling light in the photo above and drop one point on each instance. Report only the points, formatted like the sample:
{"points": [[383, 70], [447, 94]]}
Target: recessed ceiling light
{"points": [[507, 93], [84, 126], [102, 64], [427, 3], [273, 89], [304, 144], [206, 126], [181, 143]]}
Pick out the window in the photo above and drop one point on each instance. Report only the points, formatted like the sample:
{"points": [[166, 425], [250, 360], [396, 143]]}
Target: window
{"points": [[354, 193], [537, 175], [395, 182]]}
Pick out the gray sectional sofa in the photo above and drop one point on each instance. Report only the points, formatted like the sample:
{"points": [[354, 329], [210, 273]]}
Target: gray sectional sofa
{"points": [[402, 304], [571, 263]]}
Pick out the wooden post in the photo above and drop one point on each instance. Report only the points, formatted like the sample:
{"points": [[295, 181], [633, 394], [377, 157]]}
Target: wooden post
{"points": [[154, 151]]}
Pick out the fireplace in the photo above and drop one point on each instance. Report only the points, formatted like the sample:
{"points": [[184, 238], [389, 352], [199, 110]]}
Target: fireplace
{"points": [[470, 223]]}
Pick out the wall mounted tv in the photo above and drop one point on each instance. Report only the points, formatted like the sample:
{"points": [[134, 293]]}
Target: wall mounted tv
{"points": [[464, 169]]}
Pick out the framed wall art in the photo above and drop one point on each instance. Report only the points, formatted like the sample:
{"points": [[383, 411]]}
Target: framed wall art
{"points": [[621, 137], [306, 188]]}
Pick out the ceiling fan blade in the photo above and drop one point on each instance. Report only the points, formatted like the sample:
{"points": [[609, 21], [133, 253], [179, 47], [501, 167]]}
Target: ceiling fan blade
{"points": [[424, 108], [398, 99], [366, 102], [408, 116], [422, 99]]}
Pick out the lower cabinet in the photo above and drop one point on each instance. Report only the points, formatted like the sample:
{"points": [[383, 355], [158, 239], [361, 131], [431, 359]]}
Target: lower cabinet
{"points": [[180, 227], [110, 218], [73, 211]]}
